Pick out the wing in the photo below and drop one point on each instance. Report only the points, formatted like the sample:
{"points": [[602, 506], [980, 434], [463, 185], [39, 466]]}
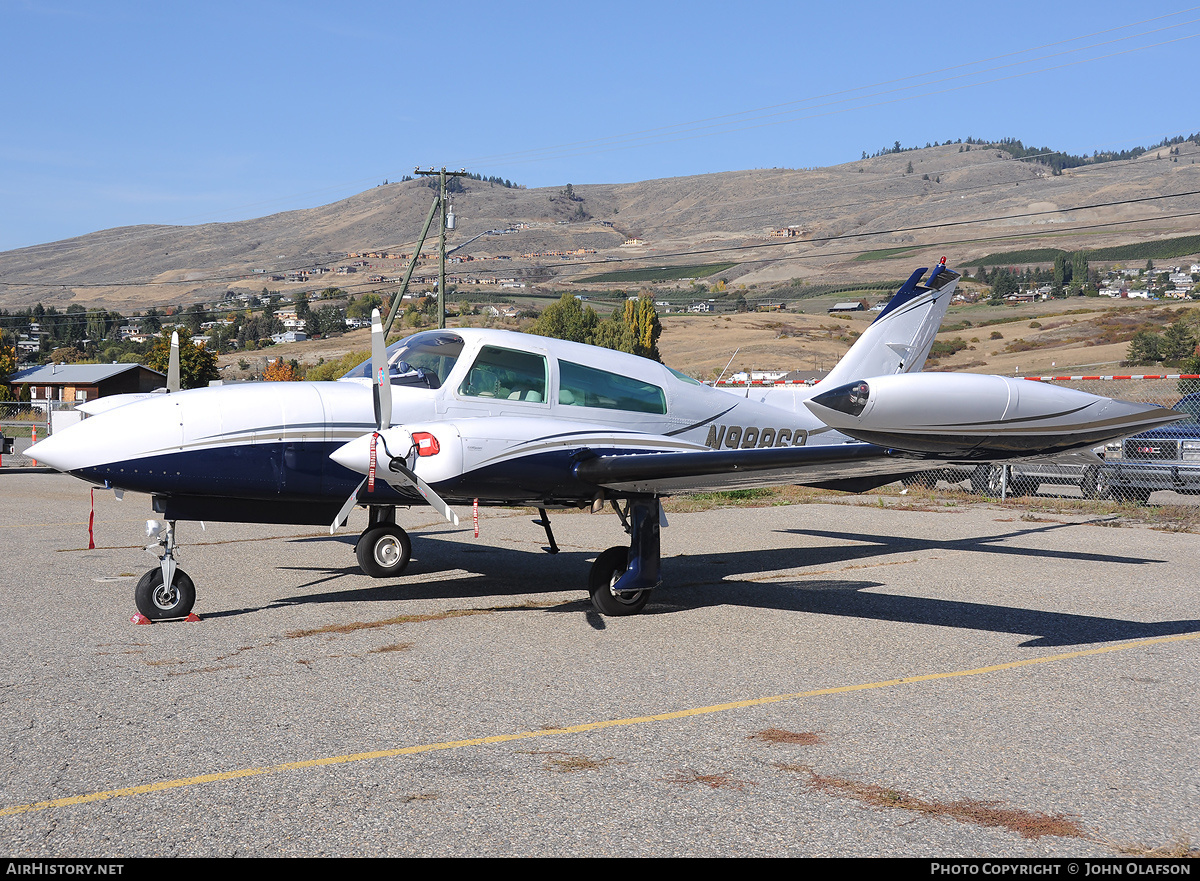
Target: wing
{"points": [[853, 467]]}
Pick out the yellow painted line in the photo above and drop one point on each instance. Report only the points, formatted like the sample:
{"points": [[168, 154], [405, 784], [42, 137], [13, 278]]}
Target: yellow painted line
{"points": [[164, 785]]}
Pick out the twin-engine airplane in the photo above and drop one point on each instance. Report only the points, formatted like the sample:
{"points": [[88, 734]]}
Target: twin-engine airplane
{"points": [[506, 419]]}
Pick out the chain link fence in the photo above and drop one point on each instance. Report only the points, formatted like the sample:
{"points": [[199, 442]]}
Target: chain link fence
{"points": [[27, 423]]}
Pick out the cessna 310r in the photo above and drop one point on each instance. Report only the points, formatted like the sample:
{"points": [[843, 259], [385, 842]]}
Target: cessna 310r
{"points": [[504, 418]]}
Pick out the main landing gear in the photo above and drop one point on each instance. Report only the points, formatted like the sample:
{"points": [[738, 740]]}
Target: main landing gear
{"points": [[165, 591], [622, 578]]}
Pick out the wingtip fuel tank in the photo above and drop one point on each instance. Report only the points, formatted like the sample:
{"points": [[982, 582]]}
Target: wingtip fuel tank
{"points": [[970, 416]]}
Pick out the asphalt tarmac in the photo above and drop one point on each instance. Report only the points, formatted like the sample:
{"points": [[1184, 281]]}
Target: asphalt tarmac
{"points": [[819, 680]]}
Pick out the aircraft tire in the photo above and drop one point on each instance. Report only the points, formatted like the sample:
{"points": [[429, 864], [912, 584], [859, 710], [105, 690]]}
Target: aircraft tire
{"points": [[383, 551], [158, 604], [609, 566]]}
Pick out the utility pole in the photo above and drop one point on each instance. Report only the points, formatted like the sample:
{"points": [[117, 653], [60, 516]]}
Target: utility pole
{"points": [[441, 201]]}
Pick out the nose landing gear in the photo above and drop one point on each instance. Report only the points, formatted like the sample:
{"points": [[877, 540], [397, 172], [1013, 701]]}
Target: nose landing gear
{"points": [[165, 591]]}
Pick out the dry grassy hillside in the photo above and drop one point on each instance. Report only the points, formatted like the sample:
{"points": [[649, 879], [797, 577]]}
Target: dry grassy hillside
{"points": [[870, 204]]}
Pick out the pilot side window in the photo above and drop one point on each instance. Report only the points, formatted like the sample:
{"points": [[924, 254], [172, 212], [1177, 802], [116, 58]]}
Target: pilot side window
{"points": [[506, 374], [582, 386]]}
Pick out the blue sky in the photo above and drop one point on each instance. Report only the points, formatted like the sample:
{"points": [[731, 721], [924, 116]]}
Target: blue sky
{"points": [[122, 113]]}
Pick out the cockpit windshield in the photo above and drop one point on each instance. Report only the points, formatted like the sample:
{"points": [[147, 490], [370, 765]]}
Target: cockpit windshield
{"points": [[423, 359]]}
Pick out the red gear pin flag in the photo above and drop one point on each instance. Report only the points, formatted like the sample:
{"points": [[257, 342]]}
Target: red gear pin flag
{"points": [[475, 517], [371, 466], [91, 522]]}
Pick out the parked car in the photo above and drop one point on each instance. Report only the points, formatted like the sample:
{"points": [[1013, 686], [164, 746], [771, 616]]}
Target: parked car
{"points": [[1162, 458], [1024, 478]]}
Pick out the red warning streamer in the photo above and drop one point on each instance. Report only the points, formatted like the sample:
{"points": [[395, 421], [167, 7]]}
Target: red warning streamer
{"points": [[91, 522], [371, 467]]}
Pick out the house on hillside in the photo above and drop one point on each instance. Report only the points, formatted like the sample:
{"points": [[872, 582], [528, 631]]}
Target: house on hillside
{"points": [[860, 306], [86, 382]]}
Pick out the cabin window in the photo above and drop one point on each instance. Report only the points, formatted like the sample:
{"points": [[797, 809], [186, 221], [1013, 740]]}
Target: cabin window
{"points": [[506, 374], [582, 386]]}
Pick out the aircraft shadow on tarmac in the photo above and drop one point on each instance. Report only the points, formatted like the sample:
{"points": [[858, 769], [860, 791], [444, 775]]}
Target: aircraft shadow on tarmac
{"points": [[445, 569]]}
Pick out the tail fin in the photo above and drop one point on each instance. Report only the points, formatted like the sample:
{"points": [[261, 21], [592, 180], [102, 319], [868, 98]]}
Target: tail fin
{"points": [[898, 341]]}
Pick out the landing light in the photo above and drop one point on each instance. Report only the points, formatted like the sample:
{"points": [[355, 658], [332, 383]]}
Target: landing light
{"points": [[849, 399]]}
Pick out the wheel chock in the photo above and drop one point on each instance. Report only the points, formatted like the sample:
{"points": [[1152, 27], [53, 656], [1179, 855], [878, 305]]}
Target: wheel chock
{"points": [[139, 618], [192, 616]]}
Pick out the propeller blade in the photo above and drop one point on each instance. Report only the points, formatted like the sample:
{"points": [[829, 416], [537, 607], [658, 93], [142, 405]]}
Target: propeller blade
{"points": [[173, 364], [340, 520], [380, 382], [426, 491]]}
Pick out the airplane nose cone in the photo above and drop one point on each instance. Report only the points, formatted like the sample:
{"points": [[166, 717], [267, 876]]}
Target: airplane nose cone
{"points": [[59, 451]]}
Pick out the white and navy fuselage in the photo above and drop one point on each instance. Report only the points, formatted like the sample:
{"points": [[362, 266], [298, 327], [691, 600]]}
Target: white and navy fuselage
{"points": [[513, 415]]}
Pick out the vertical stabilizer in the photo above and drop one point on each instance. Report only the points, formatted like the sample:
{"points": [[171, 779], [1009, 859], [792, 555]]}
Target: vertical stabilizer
{"points": [[898, 341]]}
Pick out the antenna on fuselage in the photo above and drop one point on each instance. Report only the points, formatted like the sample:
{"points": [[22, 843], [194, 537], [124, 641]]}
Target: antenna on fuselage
{"points": [[731, 357]]}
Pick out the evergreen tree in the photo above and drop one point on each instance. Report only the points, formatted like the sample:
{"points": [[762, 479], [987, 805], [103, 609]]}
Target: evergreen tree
{"points": [[1178, 341], [1144, 348]]}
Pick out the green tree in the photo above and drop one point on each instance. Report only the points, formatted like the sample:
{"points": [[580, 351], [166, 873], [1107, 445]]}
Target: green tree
{"points": [[8, 366], [97, 325], [568, 319], [634, 329], [194, 317], [1144, 348], [328, 321], [1003, 284], [1079, 272], [197, 365], [338, 367], [362, 306], [1178, 341], [1062, 275], [152, 321], [643, 323]]}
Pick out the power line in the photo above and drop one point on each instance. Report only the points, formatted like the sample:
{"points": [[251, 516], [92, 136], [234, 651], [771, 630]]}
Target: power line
{"points": [[375, 287]]}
